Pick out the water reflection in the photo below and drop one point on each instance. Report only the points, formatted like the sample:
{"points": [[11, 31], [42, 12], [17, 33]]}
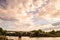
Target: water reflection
{"points": [[41, 38], [34, 38]]}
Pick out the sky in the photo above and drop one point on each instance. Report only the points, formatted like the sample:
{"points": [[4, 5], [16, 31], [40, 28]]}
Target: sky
{"points": [[28, 15]]}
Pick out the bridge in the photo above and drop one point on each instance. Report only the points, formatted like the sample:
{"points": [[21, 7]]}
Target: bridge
{"points": [[19, 34], [11, 32]]}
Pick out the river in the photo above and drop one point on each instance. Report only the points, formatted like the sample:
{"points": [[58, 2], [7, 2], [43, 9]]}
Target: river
{"points": [[34, 38], [41, 38]]}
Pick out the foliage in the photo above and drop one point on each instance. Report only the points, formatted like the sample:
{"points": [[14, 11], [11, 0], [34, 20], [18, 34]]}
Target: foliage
{"points": [[34, 33], [2, 32]]}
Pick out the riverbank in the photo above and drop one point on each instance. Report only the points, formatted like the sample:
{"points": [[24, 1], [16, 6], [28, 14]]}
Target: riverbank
{"points": [[3, 37], [33, 33]]}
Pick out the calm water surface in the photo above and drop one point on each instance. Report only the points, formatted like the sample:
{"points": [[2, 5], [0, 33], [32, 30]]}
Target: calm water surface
{"points": [[42, 38], [35, 38]]}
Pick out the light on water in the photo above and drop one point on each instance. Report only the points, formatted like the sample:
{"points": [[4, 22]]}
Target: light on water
{"points": [[34, 38], [41, 38]]}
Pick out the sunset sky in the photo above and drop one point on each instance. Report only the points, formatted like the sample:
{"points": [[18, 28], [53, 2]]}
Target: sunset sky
{"points": [[27, 15]]}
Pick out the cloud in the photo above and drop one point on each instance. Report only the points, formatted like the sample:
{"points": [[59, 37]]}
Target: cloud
{"points": [[56, 24], [3, 4], [28, 15]]}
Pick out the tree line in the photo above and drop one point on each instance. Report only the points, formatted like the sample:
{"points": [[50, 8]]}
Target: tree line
{"points": [[34, 33]]}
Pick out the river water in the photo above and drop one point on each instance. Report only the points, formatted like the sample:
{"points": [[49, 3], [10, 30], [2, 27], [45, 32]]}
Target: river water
{"points": [[41, 38], [34, 38]]}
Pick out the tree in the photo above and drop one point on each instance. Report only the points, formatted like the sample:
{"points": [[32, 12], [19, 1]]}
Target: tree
{"points": [[52, 32], [2, 32]]}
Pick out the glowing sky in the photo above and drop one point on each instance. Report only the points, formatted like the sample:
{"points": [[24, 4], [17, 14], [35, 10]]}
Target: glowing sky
{"points": [[27, 15]]}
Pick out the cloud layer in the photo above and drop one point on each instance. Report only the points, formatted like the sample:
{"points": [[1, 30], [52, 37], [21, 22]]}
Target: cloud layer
{"points": [[23, 15]]}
